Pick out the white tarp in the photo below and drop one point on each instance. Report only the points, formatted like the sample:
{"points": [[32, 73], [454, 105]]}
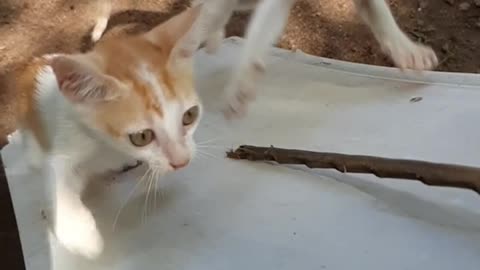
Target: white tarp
{"points": [[225, 214]]}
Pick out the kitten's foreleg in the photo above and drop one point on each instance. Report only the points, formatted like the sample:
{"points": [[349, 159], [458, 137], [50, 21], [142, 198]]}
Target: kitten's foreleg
{"points": [[75, 226], [32, 150], [264, 29], [404, 52]]}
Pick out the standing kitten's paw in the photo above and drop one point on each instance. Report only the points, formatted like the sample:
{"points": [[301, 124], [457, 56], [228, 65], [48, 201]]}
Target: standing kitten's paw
{"points": [[237, 96], [99, 29], [214, 41], [407, 54], [78, 233], [242, 90]]}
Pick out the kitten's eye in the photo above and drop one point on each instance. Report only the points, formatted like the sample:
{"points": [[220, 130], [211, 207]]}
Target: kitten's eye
{"points": [[190, 116], [142, 138]]}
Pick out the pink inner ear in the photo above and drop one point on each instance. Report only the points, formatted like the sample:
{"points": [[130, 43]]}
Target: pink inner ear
{"points": [[78, 83], [65, 72], [72, 84], [64, 81]]}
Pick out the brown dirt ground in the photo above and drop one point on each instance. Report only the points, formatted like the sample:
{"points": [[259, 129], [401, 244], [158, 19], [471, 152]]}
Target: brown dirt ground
{"points": [[328, 28]]}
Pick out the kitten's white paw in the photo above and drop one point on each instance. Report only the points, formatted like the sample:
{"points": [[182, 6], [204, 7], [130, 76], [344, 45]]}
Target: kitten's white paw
{"points": [[32, 151], [78, 233], [407, 54], [214, 41], [242, 90]]}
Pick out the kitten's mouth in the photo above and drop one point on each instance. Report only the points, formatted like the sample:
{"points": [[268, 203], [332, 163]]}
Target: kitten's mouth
{"points": [[129, 167]]}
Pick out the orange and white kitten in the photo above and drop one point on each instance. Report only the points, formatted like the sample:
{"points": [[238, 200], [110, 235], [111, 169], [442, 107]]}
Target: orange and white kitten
{"points": [[130, 98]]}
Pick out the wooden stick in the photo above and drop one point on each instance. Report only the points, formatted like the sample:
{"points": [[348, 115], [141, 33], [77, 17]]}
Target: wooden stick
{"points": [[433, 174]]}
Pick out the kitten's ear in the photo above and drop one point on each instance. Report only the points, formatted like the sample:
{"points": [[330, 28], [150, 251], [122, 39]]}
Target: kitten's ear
{"points": [[81, 82], [178, 35]]}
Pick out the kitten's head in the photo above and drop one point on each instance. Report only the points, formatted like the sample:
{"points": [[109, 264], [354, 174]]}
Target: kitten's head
{"points": [[139, 91]]}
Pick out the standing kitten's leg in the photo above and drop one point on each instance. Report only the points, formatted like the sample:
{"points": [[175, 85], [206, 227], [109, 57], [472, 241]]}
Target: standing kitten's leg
{"points": [[75, 226], [211, 22], [104, 10], [214, 41], [404, 52], [264, 29]]}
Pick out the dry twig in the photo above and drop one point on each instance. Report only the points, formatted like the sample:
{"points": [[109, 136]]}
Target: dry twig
{"points": [[433, 174]]}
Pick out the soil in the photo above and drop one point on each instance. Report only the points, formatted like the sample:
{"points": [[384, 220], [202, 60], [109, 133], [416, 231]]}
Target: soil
{"points": [[327, 28]]}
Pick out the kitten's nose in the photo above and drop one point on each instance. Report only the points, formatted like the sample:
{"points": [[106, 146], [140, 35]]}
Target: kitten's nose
{"points": [[179, 165]]}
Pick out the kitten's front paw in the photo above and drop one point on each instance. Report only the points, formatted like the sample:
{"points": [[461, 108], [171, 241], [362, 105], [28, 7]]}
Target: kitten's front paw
{"points": [[242, 90], [407, 54], [79, 234]]}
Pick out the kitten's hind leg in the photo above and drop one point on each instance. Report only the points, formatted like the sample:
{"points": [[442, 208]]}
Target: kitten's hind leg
{"points": [[104, 10], [403, 51], [264, 29]]}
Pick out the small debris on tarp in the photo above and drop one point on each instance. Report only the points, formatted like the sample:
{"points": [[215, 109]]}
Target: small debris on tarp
{"points": [[43, 214], [416, 99]]}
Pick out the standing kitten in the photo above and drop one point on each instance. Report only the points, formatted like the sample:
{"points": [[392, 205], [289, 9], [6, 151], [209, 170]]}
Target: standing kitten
{"points": [[268, 22], [130, 98]]}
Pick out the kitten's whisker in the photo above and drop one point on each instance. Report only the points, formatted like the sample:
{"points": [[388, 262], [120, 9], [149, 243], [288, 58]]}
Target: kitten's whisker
{"points": [[208, 141], [162, 194], [129, 196], [200, 156], [207, 154], [155, 181], [152, 190], [147, 182], [211, 146], [157, 173], [149, 187]]}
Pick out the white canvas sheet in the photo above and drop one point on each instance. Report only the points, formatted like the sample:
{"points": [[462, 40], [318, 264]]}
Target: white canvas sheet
{"points": [[225, 214]]}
